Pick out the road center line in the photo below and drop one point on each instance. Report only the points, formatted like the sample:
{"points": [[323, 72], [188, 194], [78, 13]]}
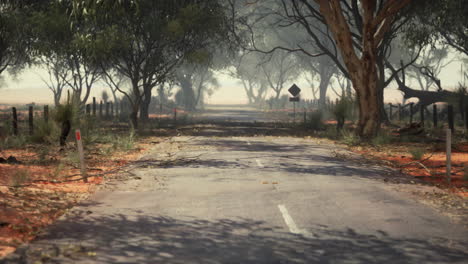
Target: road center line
{"points": [[288, 220], [259, 163]]}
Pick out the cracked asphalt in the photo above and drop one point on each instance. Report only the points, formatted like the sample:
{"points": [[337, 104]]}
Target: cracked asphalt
{"points": [[214, 198]]}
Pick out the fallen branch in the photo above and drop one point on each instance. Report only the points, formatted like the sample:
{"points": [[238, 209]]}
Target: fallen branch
{"points": [[422, 165], [413, 162]]}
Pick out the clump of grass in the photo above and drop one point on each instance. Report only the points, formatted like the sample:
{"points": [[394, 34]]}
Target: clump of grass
{"points": [[349, 138], [125, 143], [417, 153], [14, 142], [45, 132], [57, 171], [20, 177], [73, 158], [330, 132], [382, 138], [42, 153]]}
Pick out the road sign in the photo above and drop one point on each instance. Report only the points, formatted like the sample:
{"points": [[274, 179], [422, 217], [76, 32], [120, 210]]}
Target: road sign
{"points": [[293, 99], [294, 90]]}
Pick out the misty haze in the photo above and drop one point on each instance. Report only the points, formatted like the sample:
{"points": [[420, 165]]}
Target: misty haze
{"points": [[233, 131]]}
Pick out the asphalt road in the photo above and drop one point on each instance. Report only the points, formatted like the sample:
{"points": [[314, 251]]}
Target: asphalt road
{"points": [[223, 199]]}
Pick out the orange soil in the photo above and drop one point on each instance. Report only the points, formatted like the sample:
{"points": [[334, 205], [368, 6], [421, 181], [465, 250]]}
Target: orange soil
{"points": [[28, 209], [434, 169]]}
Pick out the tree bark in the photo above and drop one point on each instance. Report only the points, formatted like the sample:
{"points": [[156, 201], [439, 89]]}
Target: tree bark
{"points": [[188, 95], [145, 104], [135, 104], [361, 66], [368, 101], [323, 87]]}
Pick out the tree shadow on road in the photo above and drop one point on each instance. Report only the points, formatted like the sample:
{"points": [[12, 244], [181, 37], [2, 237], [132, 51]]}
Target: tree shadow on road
{"points": [[307, 159], [143, 239]]}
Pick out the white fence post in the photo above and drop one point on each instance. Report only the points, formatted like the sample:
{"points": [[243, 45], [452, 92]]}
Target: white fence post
{"points": [[79, 144]]}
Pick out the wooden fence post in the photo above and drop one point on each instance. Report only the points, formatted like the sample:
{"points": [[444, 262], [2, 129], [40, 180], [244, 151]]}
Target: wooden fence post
{"points": [[421, 109], [112, 110], [390, 112], [466, 117], [107, 109], [399, 112], [116, 108], [94, 106], [100, 109], [88, 109], [175, 116], [15, 121], [305, 117], [31, 120], [434, 114], [46, 113], [411, 112], [449, 156], [450, 118]]}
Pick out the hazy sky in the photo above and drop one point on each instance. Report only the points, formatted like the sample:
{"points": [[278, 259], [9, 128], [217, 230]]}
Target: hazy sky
{"points": [[29, 87]]}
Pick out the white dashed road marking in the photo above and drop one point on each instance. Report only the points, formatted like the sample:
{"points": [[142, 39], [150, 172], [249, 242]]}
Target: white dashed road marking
{"points": [[259, 163], [290, 222]]}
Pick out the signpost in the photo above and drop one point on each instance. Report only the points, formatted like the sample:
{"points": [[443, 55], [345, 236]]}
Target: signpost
{"points": [[294, 90], [79, 144]]}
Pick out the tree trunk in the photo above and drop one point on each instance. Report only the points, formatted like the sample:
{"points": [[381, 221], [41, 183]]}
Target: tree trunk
{"points": [[66, 127], [365, 82], [57, 96], [135, 104], [427, 97], [380, 89], [188, 93], [134, 118], [323, 87], [145, 104]]}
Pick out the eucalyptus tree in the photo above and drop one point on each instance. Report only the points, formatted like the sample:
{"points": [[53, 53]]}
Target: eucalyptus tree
{"points": [[247, 69], [60, 46], [360, 33], [15, 34], [279, 69], [441, 20], [196, 81], [146, 40], [429, 65]]}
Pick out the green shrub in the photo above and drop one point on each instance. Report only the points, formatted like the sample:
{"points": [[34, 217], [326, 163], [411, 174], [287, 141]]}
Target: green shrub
{"points": [[125, 142], [42, 154], [315, 120], [14, 142], [67, 115], [350, 138], [66, 112], [381, 139], [73, 158], [342, 111], [55, 174], [45, 132], [417, 153]]}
